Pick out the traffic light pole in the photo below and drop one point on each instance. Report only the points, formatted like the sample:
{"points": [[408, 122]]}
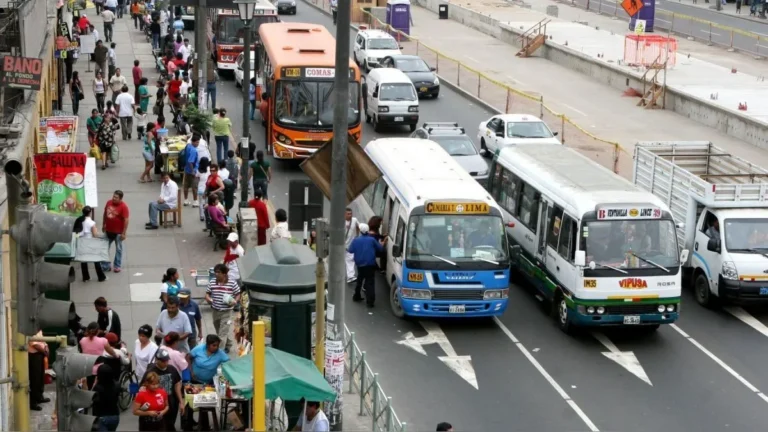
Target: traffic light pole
{"points": [[201, 48]]}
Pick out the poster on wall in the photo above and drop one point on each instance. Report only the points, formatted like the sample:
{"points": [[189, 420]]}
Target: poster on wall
{"points": [[57, 134], [61, 181]]}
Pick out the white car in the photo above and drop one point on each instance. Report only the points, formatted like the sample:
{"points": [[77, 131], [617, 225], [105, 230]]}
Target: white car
{"points": [[373, 45], [513, 129], [239, 68]]}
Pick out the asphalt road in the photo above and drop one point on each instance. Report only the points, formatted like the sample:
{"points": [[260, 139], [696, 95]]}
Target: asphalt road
{"points": [[696, 29], [705, 374]]}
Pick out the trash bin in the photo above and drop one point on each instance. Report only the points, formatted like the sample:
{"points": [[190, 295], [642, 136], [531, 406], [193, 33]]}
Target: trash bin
{"points": [[442, 11]]}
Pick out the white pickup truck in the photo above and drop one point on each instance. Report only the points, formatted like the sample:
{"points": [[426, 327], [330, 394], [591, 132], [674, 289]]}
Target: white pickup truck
{"points": [[720, 203]]}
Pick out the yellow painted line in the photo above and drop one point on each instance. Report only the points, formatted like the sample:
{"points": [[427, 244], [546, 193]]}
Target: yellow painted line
{"points": [[634, 297]]}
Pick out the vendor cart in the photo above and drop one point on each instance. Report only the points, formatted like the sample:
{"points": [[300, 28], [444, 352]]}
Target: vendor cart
{"points": [[170, 147]]}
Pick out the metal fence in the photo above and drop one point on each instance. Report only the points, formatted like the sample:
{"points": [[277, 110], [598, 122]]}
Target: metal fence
{"points": [[506, 99], [373, 401]]}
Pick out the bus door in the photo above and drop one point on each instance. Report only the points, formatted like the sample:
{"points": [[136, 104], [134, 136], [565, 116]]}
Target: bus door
{"points": [[545, 208]]}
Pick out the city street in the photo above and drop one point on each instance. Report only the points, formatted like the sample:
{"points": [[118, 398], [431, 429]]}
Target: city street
{"points": [[704, 374]]}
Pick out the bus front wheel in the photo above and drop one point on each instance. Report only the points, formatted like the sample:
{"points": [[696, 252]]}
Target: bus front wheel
{"points": [[562, 314], [394, 300]]}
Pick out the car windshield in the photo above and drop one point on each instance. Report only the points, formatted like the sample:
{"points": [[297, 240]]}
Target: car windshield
{"points": [[310, 104], [455, 145], [382, 44], [742, 235], [412, 65], [232, 29], [397, 92], [455, 238], [528, 130], [631, 244]]}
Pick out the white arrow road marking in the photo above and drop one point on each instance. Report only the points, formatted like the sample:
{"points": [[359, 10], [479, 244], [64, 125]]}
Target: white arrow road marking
{"points": [[747, 319], [625, 359], [462, 365]]}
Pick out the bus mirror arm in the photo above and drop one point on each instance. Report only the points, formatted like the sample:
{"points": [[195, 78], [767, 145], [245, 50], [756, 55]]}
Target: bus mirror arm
{"points": [[396, 250], [581, 258]]}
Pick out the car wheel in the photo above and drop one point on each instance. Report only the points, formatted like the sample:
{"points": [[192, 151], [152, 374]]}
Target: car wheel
{"points": [[484, 148], [412, 127], [376, 126], [238, 84], [366, 68], [367, 117], [354, 57], [394, 300], [703, 294]]}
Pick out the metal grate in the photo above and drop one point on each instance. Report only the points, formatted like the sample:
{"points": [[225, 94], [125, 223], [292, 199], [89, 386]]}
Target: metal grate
{"points": [[457, 294], [632, 309]]}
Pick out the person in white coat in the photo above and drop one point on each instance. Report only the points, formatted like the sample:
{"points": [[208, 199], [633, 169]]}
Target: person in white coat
{"points": [[352, 227]]}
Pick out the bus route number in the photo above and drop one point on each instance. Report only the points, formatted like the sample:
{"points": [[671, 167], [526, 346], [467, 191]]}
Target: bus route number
{"points": [[415, 277], [590, 283], [293, 72]]}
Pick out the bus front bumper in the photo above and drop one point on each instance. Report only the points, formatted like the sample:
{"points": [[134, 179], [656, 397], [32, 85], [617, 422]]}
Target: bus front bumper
{"points": [[225, 66], [283, 151], [618, 320], [453, 309]]}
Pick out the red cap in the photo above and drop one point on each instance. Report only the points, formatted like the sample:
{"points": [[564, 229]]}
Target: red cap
{"points": [[112, 338]]}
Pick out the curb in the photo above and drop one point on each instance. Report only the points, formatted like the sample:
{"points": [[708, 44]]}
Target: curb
{"points": [[463, 93]]}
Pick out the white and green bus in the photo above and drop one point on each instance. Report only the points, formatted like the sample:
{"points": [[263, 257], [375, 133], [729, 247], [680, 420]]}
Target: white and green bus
{"points": [[602, 251]]}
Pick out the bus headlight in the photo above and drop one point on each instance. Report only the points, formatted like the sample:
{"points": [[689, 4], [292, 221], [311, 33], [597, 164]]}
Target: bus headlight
{"points": [[670, 308], [496, 294], [383, 109], [416, 294], [600, 310], [590, 309], [728, 271], [284, 139], [413, 108]]}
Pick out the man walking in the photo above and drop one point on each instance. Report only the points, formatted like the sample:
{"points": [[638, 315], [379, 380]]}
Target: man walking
{"points": [[108, 320], [138, 74], [364, 248], [211, 85], [111, 5], [223, 294], [109, 23], [168, 200], [100, 57], [352, 231], [125, 106], [191, 308], [115, 226], [191, 161], [171, 319], [116, 83], [262, 217]]}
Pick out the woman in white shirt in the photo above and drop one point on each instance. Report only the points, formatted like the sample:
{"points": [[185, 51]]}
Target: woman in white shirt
{"points": [[85, 227], [203, 173], [99, 90], [144, 350]]}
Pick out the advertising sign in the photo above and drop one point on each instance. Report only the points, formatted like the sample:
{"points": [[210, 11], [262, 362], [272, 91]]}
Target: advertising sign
{"points": [[21, 72], [61, 182]]}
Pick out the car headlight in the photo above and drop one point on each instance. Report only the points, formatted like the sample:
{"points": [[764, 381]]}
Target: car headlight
{"points": [[383, 109], [437, 81], [600, 310], [670, 308], [729, 271], [496, 294], [416, 294], [413, 109], [661, 308], [590, 309]]}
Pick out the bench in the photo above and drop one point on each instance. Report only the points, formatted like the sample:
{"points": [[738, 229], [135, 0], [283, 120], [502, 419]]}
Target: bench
{"points": [[175, 214]]}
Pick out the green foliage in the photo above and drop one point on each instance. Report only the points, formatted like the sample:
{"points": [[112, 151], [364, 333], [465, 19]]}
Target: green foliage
{"points": [[199, 121]]}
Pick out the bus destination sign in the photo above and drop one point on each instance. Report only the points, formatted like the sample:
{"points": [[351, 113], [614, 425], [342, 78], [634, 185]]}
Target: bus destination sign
{"points": [[312, 72], [629, 213], [457, 208]]}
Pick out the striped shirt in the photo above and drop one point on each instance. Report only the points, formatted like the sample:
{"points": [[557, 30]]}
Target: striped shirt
{"points": [[218, 291]]}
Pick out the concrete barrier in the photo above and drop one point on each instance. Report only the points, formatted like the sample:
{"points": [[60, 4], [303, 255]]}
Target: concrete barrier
{"points": [[727, 121]]}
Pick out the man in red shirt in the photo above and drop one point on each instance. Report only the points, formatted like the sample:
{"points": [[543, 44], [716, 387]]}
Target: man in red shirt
{"points": [[179, 61], [262, 216], [137, 74], [115, 226]]}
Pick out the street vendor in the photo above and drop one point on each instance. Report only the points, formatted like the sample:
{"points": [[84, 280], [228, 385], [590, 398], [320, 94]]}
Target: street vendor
{"points": [[205, 359], [314, 419]]}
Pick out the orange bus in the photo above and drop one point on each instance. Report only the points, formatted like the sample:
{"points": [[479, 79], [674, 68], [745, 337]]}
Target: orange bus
{"points": [[226, 32], [296, 67]]}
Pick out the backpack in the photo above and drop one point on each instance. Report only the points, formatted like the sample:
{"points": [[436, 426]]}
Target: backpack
{"points": [[183, 158]]}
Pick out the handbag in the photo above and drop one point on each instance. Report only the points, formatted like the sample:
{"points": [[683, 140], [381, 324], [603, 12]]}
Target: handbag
{"points": [[114, 153], [80, 96]]}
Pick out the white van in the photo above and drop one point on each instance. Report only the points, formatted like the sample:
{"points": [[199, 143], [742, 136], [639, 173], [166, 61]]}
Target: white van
{"points": [[390, 99]]}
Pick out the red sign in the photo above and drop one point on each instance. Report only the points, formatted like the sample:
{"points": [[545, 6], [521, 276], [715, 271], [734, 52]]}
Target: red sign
{"points": [[61, 182], [633, 283], [21, 72]]}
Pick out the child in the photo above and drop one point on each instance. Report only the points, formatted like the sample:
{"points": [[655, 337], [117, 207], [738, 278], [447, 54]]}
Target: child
{"points": [[110, 108], [141, 122], [160, 123]]}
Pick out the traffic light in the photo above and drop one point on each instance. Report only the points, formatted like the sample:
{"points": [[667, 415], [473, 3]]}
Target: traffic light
{"points": [[71, 366], [35, 232]]}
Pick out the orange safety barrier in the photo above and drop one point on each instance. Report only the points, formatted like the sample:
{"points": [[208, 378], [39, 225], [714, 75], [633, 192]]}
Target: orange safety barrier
{"points": [[647, 50]]}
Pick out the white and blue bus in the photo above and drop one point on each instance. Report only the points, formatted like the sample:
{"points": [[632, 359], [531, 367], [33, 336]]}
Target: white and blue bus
{"points": [[447, 255]]}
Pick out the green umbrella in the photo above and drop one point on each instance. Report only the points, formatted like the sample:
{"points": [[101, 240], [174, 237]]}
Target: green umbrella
{"points": [[289, 377]]}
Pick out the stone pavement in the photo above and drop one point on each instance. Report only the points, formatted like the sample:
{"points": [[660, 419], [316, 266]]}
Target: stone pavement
{"points": [[600, 110]]}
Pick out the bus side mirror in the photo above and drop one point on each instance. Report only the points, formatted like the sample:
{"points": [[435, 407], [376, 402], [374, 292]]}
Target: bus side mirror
{"points": [[680, 225], [713, 245], [581, 258], [684, 256], [396, 250], [514, 252]]}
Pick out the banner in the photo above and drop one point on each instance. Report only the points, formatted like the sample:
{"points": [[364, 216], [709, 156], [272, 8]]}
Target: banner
{"points": [[61, 182], [21, 72]]}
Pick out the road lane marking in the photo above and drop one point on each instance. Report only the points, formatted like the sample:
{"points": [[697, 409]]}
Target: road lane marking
{"points": [[625, 359], [472, 59], [747, 319], [573, 109], [583, 416], [722, 364], [515, 80], [709, 32], [461, 365]]}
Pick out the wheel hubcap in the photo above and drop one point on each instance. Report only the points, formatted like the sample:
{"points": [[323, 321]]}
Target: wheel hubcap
{"points": [[563, 312], [396, 299], [701, 291]]}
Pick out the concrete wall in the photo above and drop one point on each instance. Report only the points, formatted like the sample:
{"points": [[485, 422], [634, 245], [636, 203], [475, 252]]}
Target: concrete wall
{"points": [[730, 122]]}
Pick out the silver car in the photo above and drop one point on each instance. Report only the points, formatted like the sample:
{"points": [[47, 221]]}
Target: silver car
{"points": [[286, 6], [454, 140]]}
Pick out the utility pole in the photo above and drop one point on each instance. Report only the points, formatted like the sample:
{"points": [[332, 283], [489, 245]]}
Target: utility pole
{"points": [[246, 9], [321, 251], [201, 53], [336, 273]]}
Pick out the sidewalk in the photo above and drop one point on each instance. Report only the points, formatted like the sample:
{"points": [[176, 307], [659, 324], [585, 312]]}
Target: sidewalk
{"points": [[727, 9]]}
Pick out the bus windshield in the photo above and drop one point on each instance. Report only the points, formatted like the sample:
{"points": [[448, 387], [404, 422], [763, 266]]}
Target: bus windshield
{"points": [[310, 104], [631, 244], [454, 239], [232, 29]]}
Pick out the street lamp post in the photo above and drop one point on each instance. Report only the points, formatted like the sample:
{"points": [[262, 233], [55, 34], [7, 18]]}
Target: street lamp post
{"points": [[246, 9]]}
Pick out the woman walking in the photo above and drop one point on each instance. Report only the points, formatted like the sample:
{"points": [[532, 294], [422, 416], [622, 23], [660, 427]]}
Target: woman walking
{"points": [[76, 91], [178, 359], [261, 173], [85, 227], [252, 96], [222, 129], [172, 284], [143, 95], [148, 152], [203, 174], [99, 90], [106, 137], [144, 349], [105, 404], [151, 404]]}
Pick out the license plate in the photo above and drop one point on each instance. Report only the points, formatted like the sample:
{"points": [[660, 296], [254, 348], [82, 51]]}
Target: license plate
{"points": [[456, 309], [422, 89], [632, 319], [398, 119], [764, 291]]}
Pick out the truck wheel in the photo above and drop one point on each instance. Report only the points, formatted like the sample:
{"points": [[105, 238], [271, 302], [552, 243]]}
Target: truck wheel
{"points": [[484, 149], [562, 314], [412, 127], [394, 300], [703, 293], [376, 126]]}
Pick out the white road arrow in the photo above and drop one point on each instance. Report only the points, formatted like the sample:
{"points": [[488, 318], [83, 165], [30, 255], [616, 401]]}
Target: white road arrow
{"points": [[625, 359], [462, 365]]}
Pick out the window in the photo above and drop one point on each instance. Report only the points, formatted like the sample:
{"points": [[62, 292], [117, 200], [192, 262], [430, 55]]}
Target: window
{"points": [[567, 240], [310, 104], [368, 193], [528, 130], [493, 124], [529, 206], [393, 217], [379, 198], [400, 234], [555, 226]]}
